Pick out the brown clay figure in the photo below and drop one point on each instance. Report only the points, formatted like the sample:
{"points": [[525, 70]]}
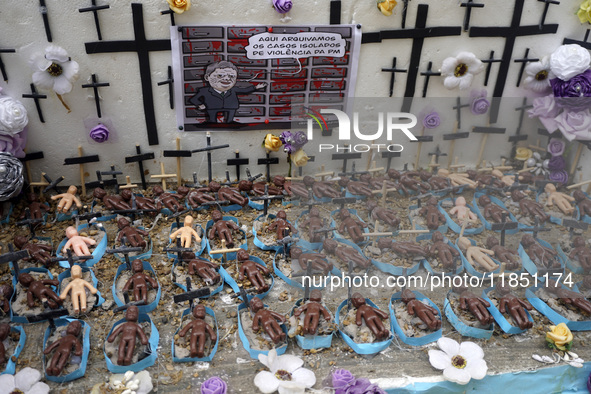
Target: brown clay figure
{"points": [[297, 189], [490, 211], [382, 214], [142, 202], [64, 347], [561, 200], [38, 289], [402, 248], [139, 282], [186, 233], [351, 225], [476, 305], [222, 228], [169, 200], [258, 188], [426, 313], [504, 255], [267, 319], [4, 332], [529, 207], [372, 316], [444, 252], [514, 306], [112, 202], [280, 224], [36, 208], [568, 297], [204, 268], [134, 236], [345, 253], [196, 198], [318, 260], [431, 213], [313, 309], [583, 203], [78, 288], [461, 211], [478, 255], [38, 252], [253, 271], [322, 189], [436, 182], [355, 187], [457, 178], [6, 292], [200, 331], [582, 253], [128, 330], [543, 257], [228, 194], [408, 181], [314, 222], [77, 243], [67, 200]]}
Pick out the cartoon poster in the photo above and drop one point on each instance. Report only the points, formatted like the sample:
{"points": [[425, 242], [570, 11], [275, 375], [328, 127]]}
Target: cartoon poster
{"points": [[256, 77]]}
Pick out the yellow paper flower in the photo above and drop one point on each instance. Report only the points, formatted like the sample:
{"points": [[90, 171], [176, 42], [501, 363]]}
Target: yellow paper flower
{"points": [[386, 6], [560, 336], [300, 158], [523, 154], [584, 12], [179, 6], [272, 142]]}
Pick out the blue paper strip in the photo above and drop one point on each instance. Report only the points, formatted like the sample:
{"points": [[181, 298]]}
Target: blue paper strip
{"points": [[442, 229], [346, 236], [142, 308], [231, 255], [496, 201], [308, 342], [505, 325], [554, 316], [214, 349], [11, 364], [361, 348], [530, 266], [463, 328], [232, 282], [455, 227], [253, 352], [21, 318], [183, 286], [78, 373]]}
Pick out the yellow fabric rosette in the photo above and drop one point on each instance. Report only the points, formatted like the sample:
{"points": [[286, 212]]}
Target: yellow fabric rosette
{"points": [[386, 6], [179, 6], [523, 154], [300, 158], [560, 336], [272, 143]]}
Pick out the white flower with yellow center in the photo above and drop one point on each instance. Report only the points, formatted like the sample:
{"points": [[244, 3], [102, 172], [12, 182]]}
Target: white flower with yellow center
{"points": [[538, 75], [285, 374], [26, 381], [54, 70], [460, 70], [459, 363]]}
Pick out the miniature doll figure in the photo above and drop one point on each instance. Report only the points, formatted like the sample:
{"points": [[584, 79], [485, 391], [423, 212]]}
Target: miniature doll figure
{"points": [[407, 181], [169, 200], [382, 214], [139, 282], [345, 253], [494, 179], [445, 253], [6, 292], [280, 225], [128, 330], [78, 287], [426, 313], [505, 255], [544, 258], [582, 253], [355, 187], [431, 213], [142, 202], [321, 189], [402, 248], [372, 316], [36, 208], [561, 200], [477, 254], [63, 349], [377, 182], [186, 233], [568, 297], [204, 268], [313, 309], [476, 305], [514, 306], [252, 271], [258, 188], [314, 222], [227, 194], [67, 200], [529, 207], [583, 203], [318, 260], [112, 202], [134, 236], [436, 182], [491, 211], [267, 319], [461, 211], [200, 330], [4, 332], [196, 198], [38, 252], [457, 178], [77, 243], [223, 228], [38, 289], [297, 189], [351, 225]]}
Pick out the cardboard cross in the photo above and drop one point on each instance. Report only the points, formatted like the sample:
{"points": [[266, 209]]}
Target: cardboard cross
{"points": [[393, 70], [344, 200], [237, 162], [346, 156], [95, 84], [584, 43], [171, 13], [419, 197], [30, 157], [524, 62], [389, 156], [268, 161], [51, 184], [128, 304], [574, 224], [81, 160], [2, 68], [170, 82], [190, 295], [178, 250], [504, 226], [139, 158], [514, 139], [428, 74], [489, 62], [50, 316], [13, 257], [266, 198], [29, 222], [547, 4], [95, 9], [125, 251], [36, 96], [536, 228], [43, 11], [209, 148], [70, 258], [469, 5]]}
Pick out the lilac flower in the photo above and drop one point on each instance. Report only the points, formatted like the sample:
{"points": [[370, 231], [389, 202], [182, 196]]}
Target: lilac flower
{"points": [[341, 378], [14, 144], [300, 139], [559, 176], [286, 137], [556, 163], [431, 120], [282, 6], [99, 133], [556, 147], [574, 93], [214, 385], [575, 125], [479, 104], [344, 382]]}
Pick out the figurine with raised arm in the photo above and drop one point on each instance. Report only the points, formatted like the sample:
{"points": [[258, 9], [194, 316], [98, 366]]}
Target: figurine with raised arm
{"points": [[200, 331], [562, 200], [139, 282], [509, 303], [313, 309], [445, 253], [351, 225], [280, 224], [426, 313], [112, 202], [345, 253], [253, 271], [267, 319], [38, 289], [318, 260], [372, 316], [431, 213], [491, 211], [67, 200], [134, 236], [505, 255], [64, 347], [476, 305], [477, 254], [529, 207], [78, 288], [222, 228], [128, 330], [582, 253], [461, 211], [38, 252], [186, 233], [77, 243], [314, 222], [384, 215]]}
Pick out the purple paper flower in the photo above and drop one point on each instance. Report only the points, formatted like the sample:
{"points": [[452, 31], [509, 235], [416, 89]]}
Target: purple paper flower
{"points": [[99, 133], [479, 104], [344, 382], [214, 385], [300, 139], [559, 176], [342, 378], [431, 120], [556, 163], [546, 110], [574, 125], [14, 144], [575, 93], [286, 137], [282, 6], [556, 147]]}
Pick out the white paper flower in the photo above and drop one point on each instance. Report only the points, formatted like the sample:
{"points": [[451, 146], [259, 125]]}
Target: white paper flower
{"points": [[286, 374], [460, 70], [54, 70], [459, 363], [25, 381], [138, 383], [538, 75], [569, 60], [13, 116]]}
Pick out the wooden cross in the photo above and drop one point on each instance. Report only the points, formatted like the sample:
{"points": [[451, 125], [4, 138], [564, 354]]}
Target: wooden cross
{"points": [[42, 183], [36, 96], [29, 157], [179, 154], [224, 251], [384, 191], [94, 9], [95, 85], [128, 184], [170, 82], [504, 226], [267, 161], [428, 74], [323, 173], [2, 69], [163, 176], [393, 70], [81, 160], [524, 62], [237, 162], [514, 139], [139, 159], [489, 62], [435, 158], [43, 11], [469, 5], [486, 131]]}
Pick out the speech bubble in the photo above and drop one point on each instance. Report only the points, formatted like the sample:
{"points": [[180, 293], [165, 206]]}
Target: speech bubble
{"points": [[275, 46]]}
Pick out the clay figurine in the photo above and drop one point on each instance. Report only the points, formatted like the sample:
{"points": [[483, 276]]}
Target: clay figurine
{"points": [[515, 307], [36, 208], [457, 178], [280, 224], [477, 254], [134, 236], [314, 222], [38, 289], [142, 202], [582, 253], [583, 203], [431, 213], [200, 330], [402, 248], [204, 268], [436, 182], [258, 188], [38, 252], [321, 189], [253, 271], [426, 313], [504, 255], [408, 181], [78, 288], [196, 198], [351, 225], [461, 211], [6, 292], [4, 332], [223, 228], [169, 200], [318, 260], [345, 253], [476, 305], [228, 194], [139, 282], [313, 309], [372, 316], [384, 215], [112, 202], [529, 207], [186, 233], [355, 187], [267, 319], [77, 243], [297, 189], [64, 347], [445, 253], [129, 330], [561, 200], [491, 211], [544, 258], [568, 297], [67, 200]]}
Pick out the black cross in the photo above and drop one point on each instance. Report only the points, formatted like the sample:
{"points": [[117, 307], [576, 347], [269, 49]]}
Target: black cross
{"points": [[389, 156], [36, 96], [335, 12], [195, 183], [170, 83], [13, 257], [469, 5], [524, 62], [95, 85], [237, 162], [346, 156], [81, 160], [437, 153], [142, 47], [510, 33], [208, 148], [404, 12], [393, 70], [428, 74], [50, 316], [419, 197], [342, 201], [547, 4], [514, 139], [585, 44], [504, 226], [266, 198], [353, 173], [574, 224], [171, 13], [488, 130], [190, 295], [458, 107], [94, 9], [536, 228], [52, 184], [125, 251], [2, 69], [71, 259], [491, 59], [113, 174], [29, 222], [178, 249], [252, 177], [100, 182], [139, 159], [87, 216], [267, 161], [43, 10], [127, 305]]}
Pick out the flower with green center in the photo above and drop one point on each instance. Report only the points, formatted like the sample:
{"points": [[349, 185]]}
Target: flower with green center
{"points": [[460, 70], [459, 362], [285, 374]]}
